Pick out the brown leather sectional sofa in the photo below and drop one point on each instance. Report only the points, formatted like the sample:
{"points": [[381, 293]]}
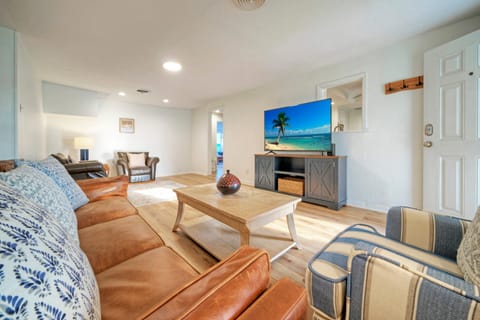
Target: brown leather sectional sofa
{"points": [[141, 278]]}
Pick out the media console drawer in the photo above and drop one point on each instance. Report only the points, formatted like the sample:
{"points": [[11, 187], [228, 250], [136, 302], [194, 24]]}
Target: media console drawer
{"points": [[291, 185]]}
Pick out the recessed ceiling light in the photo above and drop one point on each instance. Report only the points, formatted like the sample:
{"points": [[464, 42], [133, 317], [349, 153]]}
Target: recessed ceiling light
{"points": [[217, 111], [165, 100], [248, 5], [121, 93], [172, 66]]}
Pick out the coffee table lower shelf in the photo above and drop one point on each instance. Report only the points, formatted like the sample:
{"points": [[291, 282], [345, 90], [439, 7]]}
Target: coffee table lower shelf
{"points": [[220, 240]]}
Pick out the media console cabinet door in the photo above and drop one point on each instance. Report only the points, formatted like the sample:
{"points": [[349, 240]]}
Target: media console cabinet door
{"points": [[321, 179], [264, 172]]}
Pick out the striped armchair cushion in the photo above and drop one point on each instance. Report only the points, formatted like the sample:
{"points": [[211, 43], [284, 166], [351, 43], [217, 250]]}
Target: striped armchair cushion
{"points": [[327, 271], [383, 283], [436, 233]]}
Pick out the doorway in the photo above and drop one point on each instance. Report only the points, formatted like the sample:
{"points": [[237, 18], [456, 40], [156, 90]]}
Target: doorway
{"points": [[216, 143], [219, 148]]}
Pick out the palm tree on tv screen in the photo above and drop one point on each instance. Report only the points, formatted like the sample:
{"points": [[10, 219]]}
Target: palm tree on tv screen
{"points": [[280, 123]]}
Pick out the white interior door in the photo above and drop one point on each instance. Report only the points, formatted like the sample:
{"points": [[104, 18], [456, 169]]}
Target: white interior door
{"points": [[451, 159]]}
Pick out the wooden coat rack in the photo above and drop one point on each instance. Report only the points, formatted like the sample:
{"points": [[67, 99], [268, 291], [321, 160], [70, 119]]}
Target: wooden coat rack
{"points": [[402, 85]]}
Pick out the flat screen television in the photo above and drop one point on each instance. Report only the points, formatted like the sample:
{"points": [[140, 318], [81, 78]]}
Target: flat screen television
{"points": [[304, 127]]}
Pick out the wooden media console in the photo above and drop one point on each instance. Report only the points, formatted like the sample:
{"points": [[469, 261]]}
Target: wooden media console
{"points": [[324, 177]]}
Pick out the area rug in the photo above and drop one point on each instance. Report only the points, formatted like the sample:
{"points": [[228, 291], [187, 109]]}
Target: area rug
{"points": [[142, 194]]}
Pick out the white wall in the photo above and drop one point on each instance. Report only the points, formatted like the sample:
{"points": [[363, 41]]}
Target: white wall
{"points": [[61, 99], [385, 162], [30, 118], [164, 132], [6, 19], [200, 141]]}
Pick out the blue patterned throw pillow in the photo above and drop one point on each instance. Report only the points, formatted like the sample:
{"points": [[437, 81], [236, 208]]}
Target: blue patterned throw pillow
{"points": [[38, 187], [43, 275], [55, 170]]}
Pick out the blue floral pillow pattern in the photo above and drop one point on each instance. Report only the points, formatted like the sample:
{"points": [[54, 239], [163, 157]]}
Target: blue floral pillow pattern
{"points": [[55, 170], [43, 275], [39, 188]]}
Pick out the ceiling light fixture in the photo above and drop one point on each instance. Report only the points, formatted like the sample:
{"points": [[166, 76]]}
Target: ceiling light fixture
{"points": [[122, 94], [248, 5], [172, 66], [165, 100]]}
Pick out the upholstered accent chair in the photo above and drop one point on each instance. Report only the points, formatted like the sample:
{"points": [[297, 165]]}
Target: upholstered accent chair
{"points": [[138, 166], [411, 272]]}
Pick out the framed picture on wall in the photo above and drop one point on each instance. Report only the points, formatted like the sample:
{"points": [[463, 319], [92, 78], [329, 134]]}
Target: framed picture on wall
{"points": [[127, 125]]}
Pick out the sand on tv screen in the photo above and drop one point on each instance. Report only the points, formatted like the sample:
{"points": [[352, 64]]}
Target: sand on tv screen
{"points": [[304, 127]]}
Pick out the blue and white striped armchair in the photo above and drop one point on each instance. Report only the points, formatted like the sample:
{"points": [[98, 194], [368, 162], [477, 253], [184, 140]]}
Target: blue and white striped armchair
{"points": [[410, 273]]}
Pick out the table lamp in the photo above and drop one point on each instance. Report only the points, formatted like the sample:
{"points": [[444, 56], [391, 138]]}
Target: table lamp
{"points": [[83, 143]]}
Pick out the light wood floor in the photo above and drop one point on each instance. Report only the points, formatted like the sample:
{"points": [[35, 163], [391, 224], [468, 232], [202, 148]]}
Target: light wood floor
{"points": [[316, 226]]}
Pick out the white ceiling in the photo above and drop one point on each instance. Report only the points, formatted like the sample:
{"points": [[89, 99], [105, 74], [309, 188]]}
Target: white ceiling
{"points": [[120, 45]]}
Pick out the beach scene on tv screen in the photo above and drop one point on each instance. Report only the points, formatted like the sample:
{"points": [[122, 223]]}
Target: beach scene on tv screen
{"points": [[305, 127]]}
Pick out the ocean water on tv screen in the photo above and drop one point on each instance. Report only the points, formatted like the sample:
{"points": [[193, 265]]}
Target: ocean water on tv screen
{"points": [[317, 142]]}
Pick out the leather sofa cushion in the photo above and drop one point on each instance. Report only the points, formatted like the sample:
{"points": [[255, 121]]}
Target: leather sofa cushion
{"points": [[103, 188], [109, 243], [139, 170], [104, 210], [220, 292], [130, 289], [285, 300]]}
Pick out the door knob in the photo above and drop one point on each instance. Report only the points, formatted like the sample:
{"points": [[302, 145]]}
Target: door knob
{"points": [[427, 144]]}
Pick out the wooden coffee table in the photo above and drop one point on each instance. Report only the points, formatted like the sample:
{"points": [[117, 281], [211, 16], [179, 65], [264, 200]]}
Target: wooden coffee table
{"points": [[245, 211]]}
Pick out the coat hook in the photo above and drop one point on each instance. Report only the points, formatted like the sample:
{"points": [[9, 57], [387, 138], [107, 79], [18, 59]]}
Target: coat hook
{"points": [[405, 84]]}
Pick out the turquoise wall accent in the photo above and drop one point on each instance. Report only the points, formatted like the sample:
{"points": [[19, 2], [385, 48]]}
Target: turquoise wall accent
{"points": [[8, 121]]}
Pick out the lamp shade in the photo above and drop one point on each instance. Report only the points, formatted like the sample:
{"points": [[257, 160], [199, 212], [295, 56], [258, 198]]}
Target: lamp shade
{"points": [[82, 142]]}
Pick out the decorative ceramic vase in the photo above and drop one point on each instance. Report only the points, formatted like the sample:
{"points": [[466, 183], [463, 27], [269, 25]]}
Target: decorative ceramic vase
{"points": [[228, 183]]}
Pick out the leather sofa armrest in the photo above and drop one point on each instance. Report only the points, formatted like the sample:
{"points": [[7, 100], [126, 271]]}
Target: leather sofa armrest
{"points": [[122, 167], [152, 161], [7, 165], [97, 189], [285, 300], [84, 167], [222, 292]]}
